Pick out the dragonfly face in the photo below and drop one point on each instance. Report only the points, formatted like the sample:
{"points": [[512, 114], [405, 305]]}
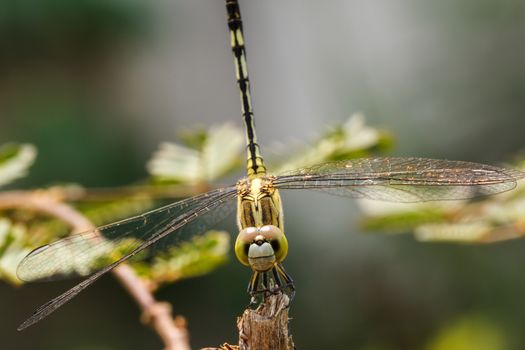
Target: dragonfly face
{"points": [[261, 247], [261, 243]]}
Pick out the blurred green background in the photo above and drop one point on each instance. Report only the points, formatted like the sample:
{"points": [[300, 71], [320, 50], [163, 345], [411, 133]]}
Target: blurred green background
{"points": [[96, 85]]}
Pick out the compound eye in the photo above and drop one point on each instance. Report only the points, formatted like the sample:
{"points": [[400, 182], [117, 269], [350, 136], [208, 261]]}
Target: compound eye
{"points": [[242, 244], [277, 239]]}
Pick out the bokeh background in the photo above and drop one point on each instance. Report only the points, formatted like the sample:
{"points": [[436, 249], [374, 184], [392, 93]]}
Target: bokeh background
{"points": [[97, 85]]}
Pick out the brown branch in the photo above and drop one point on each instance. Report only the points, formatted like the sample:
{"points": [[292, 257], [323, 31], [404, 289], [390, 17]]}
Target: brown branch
{"points": [[267, 327], [158, 315], [95, 194]]}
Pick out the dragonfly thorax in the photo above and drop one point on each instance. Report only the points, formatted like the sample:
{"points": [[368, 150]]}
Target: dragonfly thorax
{"points": [[261, 241], [258, 203]]}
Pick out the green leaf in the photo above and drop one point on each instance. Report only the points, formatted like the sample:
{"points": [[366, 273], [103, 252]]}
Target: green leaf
{"points": [[352, 139], [196, 257], [402, 222], [12, 249], [465, 232], [101, 213], [211, 154], [15, 159], [486, 220]]}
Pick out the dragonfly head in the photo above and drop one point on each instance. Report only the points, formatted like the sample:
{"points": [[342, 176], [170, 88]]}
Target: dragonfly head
{"points": [[261, 247]]}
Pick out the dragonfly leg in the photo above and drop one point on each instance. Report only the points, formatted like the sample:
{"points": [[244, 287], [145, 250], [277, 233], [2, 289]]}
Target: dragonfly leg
{"points": [[257, 284], [265, 286], [287, 279], [252, 286], [272, 281], [254, 281], [277, 279]]}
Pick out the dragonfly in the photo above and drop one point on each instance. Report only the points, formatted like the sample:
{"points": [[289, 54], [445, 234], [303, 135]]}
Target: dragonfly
{"points": [[261, 243]]}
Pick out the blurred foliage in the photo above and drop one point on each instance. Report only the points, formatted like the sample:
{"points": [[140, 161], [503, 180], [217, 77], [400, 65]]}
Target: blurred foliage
{"points": [[352, 139], [193, 258], [101, 213], [15, 159], [470, 332], [402, 222], [12, 249], [205, 156]]}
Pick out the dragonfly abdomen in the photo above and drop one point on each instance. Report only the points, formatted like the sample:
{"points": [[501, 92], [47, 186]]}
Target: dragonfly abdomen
{"points": [[255, 165]]}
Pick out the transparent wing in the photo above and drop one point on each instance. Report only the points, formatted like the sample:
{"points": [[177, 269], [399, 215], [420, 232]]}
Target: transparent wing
{"points": [[184, 213], [402, 179], [84, 253]]}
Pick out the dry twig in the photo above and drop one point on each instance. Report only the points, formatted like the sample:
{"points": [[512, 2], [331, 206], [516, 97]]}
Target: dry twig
{"points": [[264, 328], [158, 315]]}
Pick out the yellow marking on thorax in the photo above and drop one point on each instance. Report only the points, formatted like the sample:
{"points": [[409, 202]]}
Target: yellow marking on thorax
{"points": [[258, 204]]}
